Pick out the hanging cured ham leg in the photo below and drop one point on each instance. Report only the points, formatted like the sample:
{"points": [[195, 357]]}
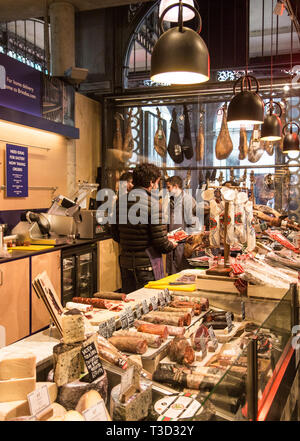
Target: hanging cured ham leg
{"points": [[224, 144]]}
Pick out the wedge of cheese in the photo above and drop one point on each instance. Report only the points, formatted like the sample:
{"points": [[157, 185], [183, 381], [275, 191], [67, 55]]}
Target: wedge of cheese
{"points": [[90, 399], [18, 366], [17, 389], [73, 415], [73, 327]]}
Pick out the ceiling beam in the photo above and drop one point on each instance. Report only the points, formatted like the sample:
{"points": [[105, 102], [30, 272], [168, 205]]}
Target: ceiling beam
{"points": [[22, 9]]}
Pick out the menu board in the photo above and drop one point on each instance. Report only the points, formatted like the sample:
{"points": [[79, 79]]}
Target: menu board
{"points": [[16, 171]]}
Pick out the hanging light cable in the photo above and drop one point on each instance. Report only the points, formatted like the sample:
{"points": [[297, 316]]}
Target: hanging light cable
{"points": [[271, 127], [291, 139], [246, 107], [180, 55]]}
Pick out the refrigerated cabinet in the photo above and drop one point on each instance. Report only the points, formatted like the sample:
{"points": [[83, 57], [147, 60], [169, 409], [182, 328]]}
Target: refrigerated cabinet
{"points": [[79, 272]]}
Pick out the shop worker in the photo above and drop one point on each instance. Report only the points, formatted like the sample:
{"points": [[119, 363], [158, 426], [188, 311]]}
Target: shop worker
{"points": [[141, 234], [180, 210]]}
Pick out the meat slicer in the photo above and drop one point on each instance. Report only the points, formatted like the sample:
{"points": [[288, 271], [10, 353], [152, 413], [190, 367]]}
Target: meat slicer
{"points": [[51, 228]]}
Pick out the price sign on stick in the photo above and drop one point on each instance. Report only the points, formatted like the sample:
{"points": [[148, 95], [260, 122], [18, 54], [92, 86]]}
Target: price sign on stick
{"points": [[92, 361], [167, 295], [161, 298], [103, 330], [145, 306], [111, 327], [213, 337]]}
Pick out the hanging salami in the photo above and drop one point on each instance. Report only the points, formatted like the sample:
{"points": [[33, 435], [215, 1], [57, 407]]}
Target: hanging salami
{"points": [[224, 144], [187, 144]]}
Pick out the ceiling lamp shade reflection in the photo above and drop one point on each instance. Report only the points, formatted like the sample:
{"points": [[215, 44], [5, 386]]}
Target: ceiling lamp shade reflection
{"points": [[246, 107], [291, 139], [172, 14], [180, 55], [271, 127]]}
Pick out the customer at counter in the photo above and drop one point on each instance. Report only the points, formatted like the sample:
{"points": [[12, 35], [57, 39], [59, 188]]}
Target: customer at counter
{"points": [[127, 177], [179, 207], [142, 242]]}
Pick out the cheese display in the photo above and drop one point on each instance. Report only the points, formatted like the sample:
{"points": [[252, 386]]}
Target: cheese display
{"points": [[16, 389], [68, 363], [21, 366], [135, 408], [90, 399], [73, 326], [73, 415]]}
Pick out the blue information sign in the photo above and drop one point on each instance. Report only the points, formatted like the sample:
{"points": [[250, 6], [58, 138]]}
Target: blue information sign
{"points": [[16, 171]]}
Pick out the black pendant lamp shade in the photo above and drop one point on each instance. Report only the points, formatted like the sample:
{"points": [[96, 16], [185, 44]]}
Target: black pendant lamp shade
{"points": [[271, 128], [246, 107], [291, 139], [180, 55]]}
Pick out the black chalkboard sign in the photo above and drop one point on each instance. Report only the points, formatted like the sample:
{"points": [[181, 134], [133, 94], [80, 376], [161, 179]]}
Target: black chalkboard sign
{"points": [[92, 361]]}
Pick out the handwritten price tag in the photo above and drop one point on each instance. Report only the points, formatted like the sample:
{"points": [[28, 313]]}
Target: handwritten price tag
{"points": [[167, 295], [138, 311], [124, 320], [213, 337], [161, 298], [103, 330], [145, 306], [96, 412], [39, 400], [153, 301], [130, 315], [229, 321], [92, 361]]}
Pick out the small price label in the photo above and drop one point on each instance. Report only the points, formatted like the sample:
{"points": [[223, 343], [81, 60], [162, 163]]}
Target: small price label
{"points": [[167, 295], [213, 337], [243, 310], [111, 327], [203, 345], [161, 298], [138, 311], [153, 301], [229, 321], [39, 400], [103, 329], [126, 380], [96, 412], [124, 320], [145, 306], [130, 315]]}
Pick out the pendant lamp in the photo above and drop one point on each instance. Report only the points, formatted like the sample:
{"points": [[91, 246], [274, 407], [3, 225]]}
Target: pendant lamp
{"points": [[291, 139], [246, 107], [172, 14], [271, 128], [180, 55]]}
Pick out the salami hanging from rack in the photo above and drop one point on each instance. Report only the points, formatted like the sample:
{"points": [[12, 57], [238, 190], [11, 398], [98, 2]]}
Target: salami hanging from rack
{"points": [[200, 143], [187, 144], [174, 146], [128, 139]]}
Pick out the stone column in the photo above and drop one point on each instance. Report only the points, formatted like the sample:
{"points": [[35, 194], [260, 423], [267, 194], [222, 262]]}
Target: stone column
{"points": [[71, 167], [62, 21]]}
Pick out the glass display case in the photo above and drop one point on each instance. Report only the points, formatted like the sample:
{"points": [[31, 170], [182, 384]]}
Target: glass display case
{"points": [[255, 373]]}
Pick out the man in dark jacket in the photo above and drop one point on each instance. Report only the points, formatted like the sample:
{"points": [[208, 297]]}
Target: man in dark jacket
{"points": [[139, 230]]}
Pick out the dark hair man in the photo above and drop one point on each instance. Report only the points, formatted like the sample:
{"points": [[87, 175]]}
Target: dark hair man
{"points": [[143, 242], [127, 176]]}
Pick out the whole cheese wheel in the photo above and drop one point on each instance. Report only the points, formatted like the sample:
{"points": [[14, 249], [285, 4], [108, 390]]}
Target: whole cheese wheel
{"points": [[87, 400]]}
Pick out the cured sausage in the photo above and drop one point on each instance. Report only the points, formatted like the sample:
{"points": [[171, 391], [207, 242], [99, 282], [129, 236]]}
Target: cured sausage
{"points": [[127, 343], [118, 139], [186, 316], [160, 143], [224, 144], [171, 309], [151, 328], [154, 341], [110, 295], [187, 145], [200, 141], [195, 306], [164, 319], [112, 357], [181, 351], [128, 139], [243, 146], [204, 302]]}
